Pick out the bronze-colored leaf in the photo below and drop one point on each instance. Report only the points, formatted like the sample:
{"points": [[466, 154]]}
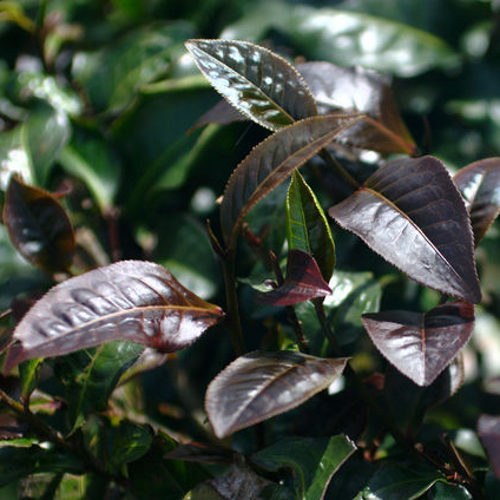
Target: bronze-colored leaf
{"points": [[260, 385], [129, 300]]}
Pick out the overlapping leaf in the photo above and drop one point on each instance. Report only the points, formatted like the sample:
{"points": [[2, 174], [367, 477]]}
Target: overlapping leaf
{"points": [[129, 300], [479, 184], [488, 428], [257, 82], [421, 346], [38, 226], [411, 213], [272, 161], [303, 282], [260, 385]]}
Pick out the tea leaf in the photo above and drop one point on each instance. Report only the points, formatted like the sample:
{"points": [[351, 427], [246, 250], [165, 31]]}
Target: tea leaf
{"points": [[260, 385], [411, 213], [421, 346], [271, 162], [488, 428], [129, 300], [257, 82]]}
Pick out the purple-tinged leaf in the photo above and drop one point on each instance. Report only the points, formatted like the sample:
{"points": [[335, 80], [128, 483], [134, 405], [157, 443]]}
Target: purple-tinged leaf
{"points": [[260, 385], [271, 162], [303, 282], [411, 213], [488, 428], [221, 114], [261, 85], [358, 89], [129, 300], [421, 346], [38, 226], [479, 184]]}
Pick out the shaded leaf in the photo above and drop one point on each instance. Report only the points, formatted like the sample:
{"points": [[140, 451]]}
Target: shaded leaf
{"points": [[129, 300], [410, 212], [443, 491], [421, 346], [197, 452], [303, 282], [271, 162], [307, 227], [222, 113], [257, 82], [479, 184], [28, 374], [260, 385], [488, 428], [313, 461], [38, 226]]}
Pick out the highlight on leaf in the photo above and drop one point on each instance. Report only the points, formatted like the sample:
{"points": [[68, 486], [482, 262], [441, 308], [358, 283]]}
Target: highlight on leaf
{"points": [[129, 300]]}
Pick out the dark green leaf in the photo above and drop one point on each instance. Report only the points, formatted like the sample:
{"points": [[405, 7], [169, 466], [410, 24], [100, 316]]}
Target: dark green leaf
{"points": [[271, 162], [307, 226], [260, 84], [38, 226], [313, 461], [443, 491], [260, 385], [28, 374], [411, 213]]}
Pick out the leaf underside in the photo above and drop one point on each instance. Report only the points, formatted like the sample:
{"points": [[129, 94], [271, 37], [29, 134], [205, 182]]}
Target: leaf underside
{"points": [[129, 300], [411, 213], [488, 428], [421, 346]]}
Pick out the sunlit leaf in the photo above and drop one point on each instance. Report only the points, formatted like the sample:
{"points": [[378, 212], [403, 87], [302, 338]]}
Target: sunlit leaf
{"points": [[271, 162], [129, 300], [488, 428], [38, 226], [307, 227], [303, 281], [14, 158], [421, 346], [479, 184], [257, 82], [313, 461], [411, 213], [260, 385]]}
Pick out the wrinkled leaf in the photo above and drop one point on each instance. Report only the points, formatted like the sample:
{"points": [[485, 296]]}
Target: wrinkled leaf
{"points": [[479, 184], [303, 282], [307, 227], [410, 212], [421, 346], [260, 385], [257, 82], [38, 226], [313, 461], [271, 162], [488, 428], [129, 300]]}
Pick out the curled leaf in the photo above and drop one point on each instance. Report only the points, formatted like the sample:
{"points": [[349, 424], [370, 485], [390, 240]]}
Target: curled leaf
{"points": [[129, 300], [260, 385]]}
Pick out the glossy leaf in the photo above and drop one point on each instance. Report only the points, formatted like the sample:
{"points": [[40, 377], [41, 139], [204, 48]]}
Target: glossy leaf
{"points": [[260, 385], [410, 212], [14, 157], [307, 227], [357, 89], [313, 461], [443, 491], [488, 428], [38, 226], [421, 346], [271, 162], [479, 184], [257, 82], [129, 300], [303, 282]]}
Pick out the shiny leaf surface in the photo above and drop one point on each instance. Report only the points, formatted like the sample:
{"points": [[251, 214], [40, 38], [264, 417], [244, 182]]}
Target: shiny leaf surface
{"points": [[271, 162], [410, 212], [488, 428], [303, 282], [307, 227], [421, 346], [38, 226], [260, 385], [129, 300], [479, 184], [257, 82]]}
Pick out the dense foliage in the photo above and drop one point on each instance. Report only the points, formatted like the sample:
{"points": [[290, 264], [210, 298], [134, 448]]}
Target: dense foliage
{"points": [[286, 287]]}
